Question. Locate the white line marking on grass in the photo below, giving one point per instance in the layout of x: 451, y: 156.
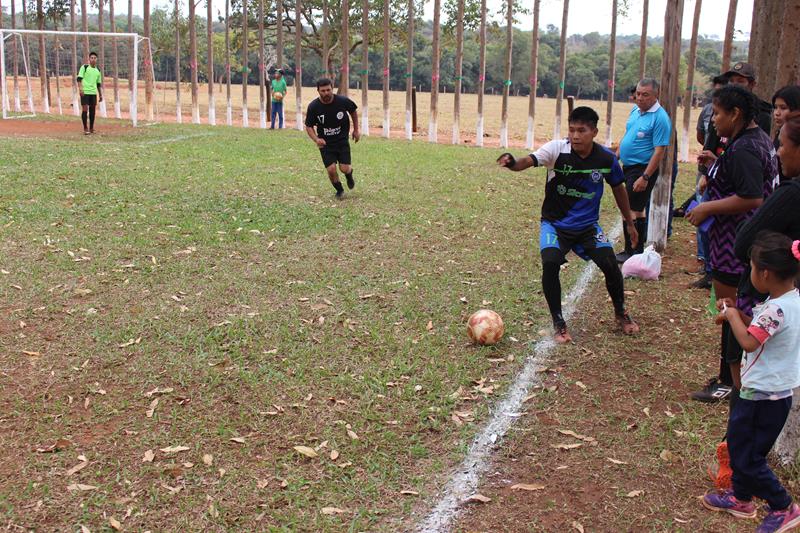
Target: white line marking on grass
x: 176, y: 138
x: 464, y: 481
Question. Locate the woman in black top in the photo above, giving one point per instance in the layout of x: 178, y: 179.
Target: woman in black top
x: 786, y: 100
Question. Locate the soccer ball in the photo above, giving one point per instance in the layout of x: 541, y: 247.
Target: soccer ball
x: 278, y: 97
x: 485, y: 327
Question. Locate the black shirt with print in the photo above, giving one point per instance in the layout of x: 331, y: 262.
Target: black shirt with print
x: 331, y: 120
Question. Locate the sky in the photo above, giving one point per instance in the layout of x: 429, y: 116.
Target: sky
x: 585, y: 15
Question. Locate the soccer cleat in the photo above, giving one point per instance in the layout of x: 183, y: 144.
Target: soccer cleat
x: 780, y: 521
x: 627, y: 325
x: 726, y: 502
x: 340, y: 194
x: 561, y: 335
x: 623, y: 256
x: 714, y: 391
x: 86, y: 132
x: 350, y: 181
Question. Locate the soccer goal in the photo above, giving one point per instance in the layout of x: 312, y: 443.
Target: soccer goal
x: 38, y: 72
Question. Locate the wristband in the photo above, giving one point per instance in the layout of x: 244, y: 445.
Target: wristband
x: 511, y: 161
x: 646, y: 177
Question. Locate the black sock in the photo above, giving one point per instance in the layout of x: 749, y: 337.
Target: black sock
x: 641, y: 229
x: 628, y: 248
x: 615, y: 285
x: 338, y: 186
x: 91, y: 116
x: 349, y: 175
x: 551, y: 286
x: 84, y: 115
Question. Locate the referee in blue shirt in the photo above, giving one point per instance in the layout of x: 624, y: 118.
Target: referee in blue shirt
x: 647, y: 135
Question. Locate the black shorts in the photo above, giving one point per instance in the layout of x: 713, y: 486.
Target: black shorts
x: 88, y: 99
x: 638, y: 200
x: 335, y: 153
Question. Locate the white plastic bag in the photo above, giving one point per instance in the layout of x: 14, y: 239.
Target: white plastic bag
x: 646, y: 265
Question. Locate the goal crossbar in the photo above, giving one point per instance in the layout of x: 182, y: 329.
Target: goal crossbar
x: 10, y: 32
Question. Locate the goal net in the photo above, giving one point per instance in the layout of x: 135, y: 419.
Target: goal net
x: 38, y: 73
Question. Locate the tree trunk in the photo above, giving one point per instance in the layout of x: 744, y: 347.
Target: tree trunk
x: 193, y: 60
x: 326, y: 49
x: 727, y: 44
x: 298, y: 57
x: 670, y: 70
x: 365, y: 68
x: 612, y: 71
x: 344, y: 87
x: 789, y: 54
x: 481, y: 75
x: 409, y: 69
x: 228, y: 108
x: 115, y: 60
x: 432, y: 124
x: 15, y: 56
x: 57, y: 69
x: 507, y: 79
x: 562, y: 71
x: 643, y: 39
x: 245, y: 67
x: 755, y: 26
x: 688, y: 95
x: 74, y: 53
x: 764, y: 51
x: 148, y: 63
x: 131, y: 65
x: 178, y: 110
x: 459, y: 72
x: 43, y: 88
x: 262, y: 100
x: 386, y: 43
x: 212, y: 109
x: 101, y: 55
x: 279, y: 35
x: 534, y: 78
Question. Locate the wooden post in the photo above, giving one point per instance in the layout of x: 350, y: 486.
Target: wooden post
x: 434, y: 113
x: 44, y: 83
x: 132, y: 64
x: 76, y: 105
x: 365, y: 68
x: 245, y: 67
x: 148, y: 64
x: 459, y: 72
x: 178, y: 111
x: 298, y: 70
x: 643, y: 39
x: 263, y: 105
x: 562, y: 71
x: 344, y: 87
x: 534, y: 77
x: 659, y: 202
x: 410, y: 128
x: 386, y: 44
x: 507, y: 79
x: 101, y: 53
x: 414, y: 109
x: 193, y: 60
x: 612, y: 71
x: 212, y: 111
x: 85, y: 25
x: 229, y: 108
x: 727, y: 44
x: 481, y: 76
x: 688, y: 95
x: 115, y: 60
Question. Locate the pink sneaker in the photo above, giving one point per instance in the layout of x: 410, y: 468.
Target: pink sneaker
x: 726, y: 502
x: 780, y: 521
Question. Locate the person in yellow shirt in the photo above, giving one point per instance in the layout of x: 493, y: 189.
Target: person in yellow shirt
x: 90, y: 85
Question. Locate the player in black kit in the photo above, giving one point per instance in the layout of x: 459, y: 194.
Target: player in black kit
x: 331, y: 114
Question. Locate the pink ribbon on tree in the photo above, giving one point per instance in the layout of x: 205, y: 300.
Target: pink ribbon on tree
x: 434, y: 77
x: 386, y: 72
x: 193, y: 64
x: 481, y: 78
x: 611, y: 83
x: 532, y: 81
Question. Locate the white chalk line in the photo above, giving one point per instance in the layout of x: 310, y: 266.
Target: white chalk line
x: 464, y: 481
x: 177, y: 138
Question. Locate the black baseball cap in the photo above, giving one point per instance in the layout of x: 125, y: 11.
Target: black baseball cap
x: 746, y: 70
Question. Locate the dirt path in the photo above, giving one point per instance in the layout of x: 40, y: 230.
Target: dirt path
x: 639, y: 448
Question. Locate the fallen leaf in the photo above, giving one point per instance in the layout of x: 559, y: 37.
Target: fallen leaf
x: 567, y: 446
x: 352, y: 434
x: 114, y: 523
x: 581, y: 385
x: 666, y: 455
x: 152, y: 409
x: 262, y: 483
x: 578, y: 526
x: 477, y: 498
x: 148, y: 456
x: 208, y: 459
x: 158, y: 390
x: 634, y: 493
x: 409, y: 493
x: 429, y: 327
x: 77, y: 468
x: 526, y: 486
x: 60, y: 444
x: 175, y: 449
x: 305, y: 450
x: 616, y: 461
x: 81, y: 486
x: 334, y: 455
x: 32, y: 354
x: 332, y: 510
x: 85, y: 529
x: 212, y: 510
x: 239, y: 440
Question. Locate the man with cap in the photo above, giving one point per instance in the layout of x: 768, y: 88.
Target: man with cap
x: 278, y: 92
x: 641, y: 150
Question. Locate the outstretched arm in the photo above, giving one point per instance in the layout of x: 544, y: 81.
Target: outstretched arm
x: 507, y: 160
x: 621, y: 197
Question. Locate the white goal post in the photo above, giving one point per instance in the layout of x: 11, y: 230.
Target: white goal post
x: 50, y: 56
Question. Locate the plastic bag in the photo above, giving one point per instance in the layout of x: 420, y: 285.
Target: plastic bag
x: 646, y: 265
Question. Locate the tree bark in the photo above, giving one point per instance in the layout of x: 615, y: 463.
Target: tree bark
x: 459, y: 72
x: 344, y: 87
x: 688, y: 95
x: 178, y: 111
x: 298, y: 57
x: 534, y: 77
x: 115, y: 60
x: 612, y: 71
x: 279, y: 33
x: 101, y: 55
x: 432, y: 124
x: 562, y: 68
x: 789, y: 53
x: 228, y: 108
x: 727, y: 44
x: 262, y: 74
x: 245, y: 67
x: 43, y: 87
x: 764, y: 51
x: 670, y: 70
x: 193, y: 60
x: 131, y: 65
x: 148, y: 64
x: 481, y: 75
x: 212, y: 110
x: 386, y: 44
x: 507, y: 79
x: 409, y: 69
x: 326, y: 49
x: 74, y: 54
x: 365, y: 68
x: 643, y: 39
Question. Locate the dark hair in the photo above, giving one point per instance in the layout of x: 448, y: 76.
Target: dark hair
x: 721, y: 79
x: 92, y: 54
x: 733, y: 96
x: 772, y: 251
x: 633, y: 90
x: 584, y: 115
x: 791, y: 125
x: 322, y: 82
x: 789, y: 94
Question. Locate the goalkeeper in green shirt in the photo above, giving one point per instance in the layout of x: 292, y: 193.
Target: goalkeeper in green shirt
x: 278, y: 92
x: 90, y: 81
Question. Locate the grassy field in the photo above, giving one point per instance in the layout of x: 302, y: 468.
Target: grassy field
x: 164, y: 102
x: 197, y: 294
